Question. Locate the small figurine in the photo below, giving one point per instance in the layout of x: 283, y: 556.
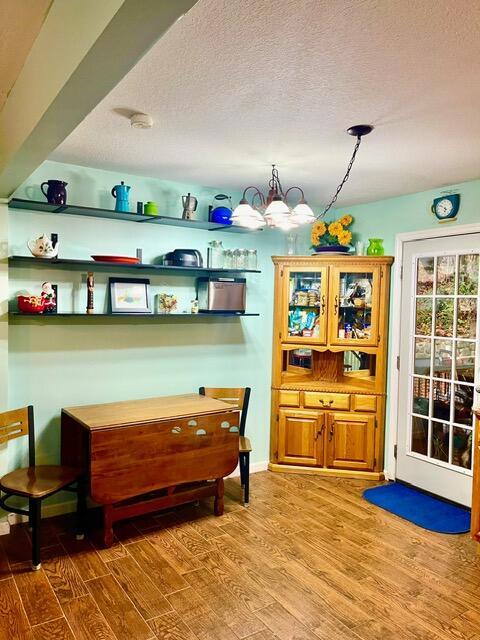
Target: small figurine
x: 90, y: 290
x: 49, y: 298
x: 194, y: 308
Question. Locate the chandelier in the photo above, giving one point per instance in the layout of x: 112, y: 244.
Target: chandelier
x: 274, y: 211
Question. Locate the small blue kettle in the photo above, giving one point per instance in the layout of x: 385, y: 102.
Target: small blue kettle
x: 120, y: 192
x: 220, y: 213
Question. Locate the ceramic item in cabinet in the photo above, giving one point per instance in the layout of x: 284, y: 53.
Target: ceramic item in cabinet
x: 120, y: 192
x: 90, y: 292
x: 42, y: 247
x: 252, y: 259
x: 56, y: 192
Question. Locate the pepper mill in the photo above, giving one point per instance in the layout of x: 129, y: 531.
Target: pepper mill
x: 90, y: 289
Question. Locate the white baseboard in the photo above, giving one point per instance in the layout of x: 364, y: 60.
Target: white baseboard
x: 59, y: 508
x: 255, y: 467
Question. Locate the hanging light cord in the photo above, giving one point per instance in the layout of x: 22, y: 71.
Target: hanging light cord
x: 345, y: 178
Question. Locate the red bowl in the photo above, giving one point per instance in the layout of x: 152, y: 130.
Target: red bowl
x: 30, y: 304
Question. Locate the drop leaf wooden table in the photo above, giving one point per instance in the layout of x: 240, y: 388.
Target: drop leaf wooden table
x: 144, y: 455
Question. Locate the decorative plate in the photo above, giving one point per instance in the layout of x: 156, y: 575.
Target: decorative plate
x: 117, y: 259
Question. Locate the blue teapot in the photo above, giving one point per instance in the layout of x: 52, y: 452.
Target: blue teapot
x: 120, y: 192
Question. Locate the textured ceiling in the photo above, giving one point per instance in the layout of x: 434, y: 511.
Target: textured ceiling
x: 238, y: 84
x: 20, y: 22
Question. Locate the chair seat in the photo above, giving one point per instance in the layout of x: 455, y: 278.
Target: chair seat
x: 38, y: 481
x: 244, y: 445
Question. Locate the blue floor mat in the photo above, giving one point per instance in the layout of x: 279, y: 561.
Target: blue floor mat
x: 420, y: 508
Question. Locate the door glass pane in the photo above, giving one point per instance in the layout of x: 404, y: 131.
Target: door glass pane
x: 441, y: 399
x: 462, y: 447
x: 440, y: 441
x: 444, y: 317
x: 468, y: 275
x: 445, y: 275
x: 463, y: 404
x: 425, y: 268
x: 465, y: 361
x: 305, y: 304
x: 421, y: 396
x: 355, y: 306
x: 423, y: 347
x: 442, y: 358
x: 423, y: 317
x: 419, y: 435
x: 466, y: 317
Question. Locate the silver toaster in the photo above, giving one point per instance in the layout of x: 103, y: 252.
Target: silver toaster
x: 221, y: 294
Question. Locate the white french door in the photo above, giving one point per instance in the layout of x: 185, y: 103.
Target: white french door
x: 439, y: 358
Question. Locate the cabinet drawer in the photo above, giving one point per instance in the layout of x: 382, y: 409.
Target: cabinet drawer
x: 327, y: 400
x: 364, y: 403
x: 289, y: 398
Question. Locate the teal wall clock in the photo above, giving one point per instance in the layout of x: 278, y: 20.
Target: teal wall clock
x: 446, y: 207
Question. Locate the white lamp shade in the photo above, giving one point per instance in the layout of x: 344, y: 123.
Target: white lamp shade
x: 245, y: 215
x: 302, y: 214
x: 277, y: 207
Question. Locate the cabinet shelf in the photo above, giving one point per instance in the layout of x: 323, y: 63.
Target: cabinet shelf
x: 93, y: 212
x: 93, y: 265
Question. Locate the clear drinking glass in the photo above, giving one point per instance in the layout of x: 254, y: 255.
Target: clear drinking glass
x: 228, y: 259
x: 252, y: 259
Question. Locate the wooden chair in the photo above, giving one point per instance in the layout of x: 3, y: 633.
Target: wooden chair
x: 36, y: 482
x: 238, y: 398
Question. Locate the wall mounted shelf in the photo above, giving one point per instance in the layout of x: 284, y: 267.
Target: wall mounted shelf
x: 92, y: 212
x: 157, y: 316
x: 93, y: 265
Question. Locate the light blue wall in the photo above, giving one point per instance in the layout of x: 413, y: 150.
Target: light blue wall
x: 66, y: 362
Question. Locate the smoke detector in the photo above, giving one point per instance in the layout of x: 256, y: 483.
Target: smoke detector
x: 141, y: 121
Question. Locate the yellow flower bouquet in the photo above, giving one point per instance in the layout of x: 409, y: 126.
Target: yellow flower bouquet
x: 333, y: 236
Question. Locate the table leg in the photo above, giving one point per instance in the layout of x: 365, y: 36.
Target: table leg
x: 107, y: 525
x: 218, y: 505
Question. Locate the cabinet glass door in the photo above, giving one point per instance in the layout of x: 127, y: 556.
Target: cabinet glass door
x: 304, y: 305
x: 354, y: 301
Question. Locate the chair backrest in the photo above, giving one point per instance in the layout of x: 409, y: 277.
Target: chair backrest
x: 17, y: 423
x: 238, y: 397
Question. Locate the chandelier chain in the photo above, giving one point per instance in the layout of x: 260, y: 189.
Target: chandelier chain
x: 345, y: 178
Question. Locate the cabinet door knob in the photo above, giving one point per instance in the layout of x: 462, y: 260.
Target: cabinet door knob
x: 323, y: 305
x: 336, y: 306
x: 319, y: 433
x: 330, y: 435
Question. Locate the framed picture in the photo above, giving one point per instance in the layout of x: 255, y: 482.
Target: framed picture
x: 129, y: 295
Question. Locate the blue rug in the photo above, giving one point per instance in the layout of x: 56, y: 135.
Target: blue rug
x: 420, y: 508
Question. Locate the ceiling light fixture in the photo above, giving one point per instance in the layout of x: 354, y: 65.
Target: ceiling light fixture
x: 274, y: 210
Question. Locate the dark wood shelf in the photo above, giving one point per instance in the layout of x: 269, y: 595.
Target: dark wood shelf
x: 92, y: 265
x: 92, y: 212
x: 158, y: 316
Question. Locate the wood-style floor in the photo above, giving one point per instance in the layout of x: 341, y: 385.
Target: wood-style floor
x: 308, y: 559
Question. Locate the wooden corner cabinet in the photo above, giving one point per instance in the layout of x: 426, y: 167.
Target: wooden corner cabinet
x: 329, y: 364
